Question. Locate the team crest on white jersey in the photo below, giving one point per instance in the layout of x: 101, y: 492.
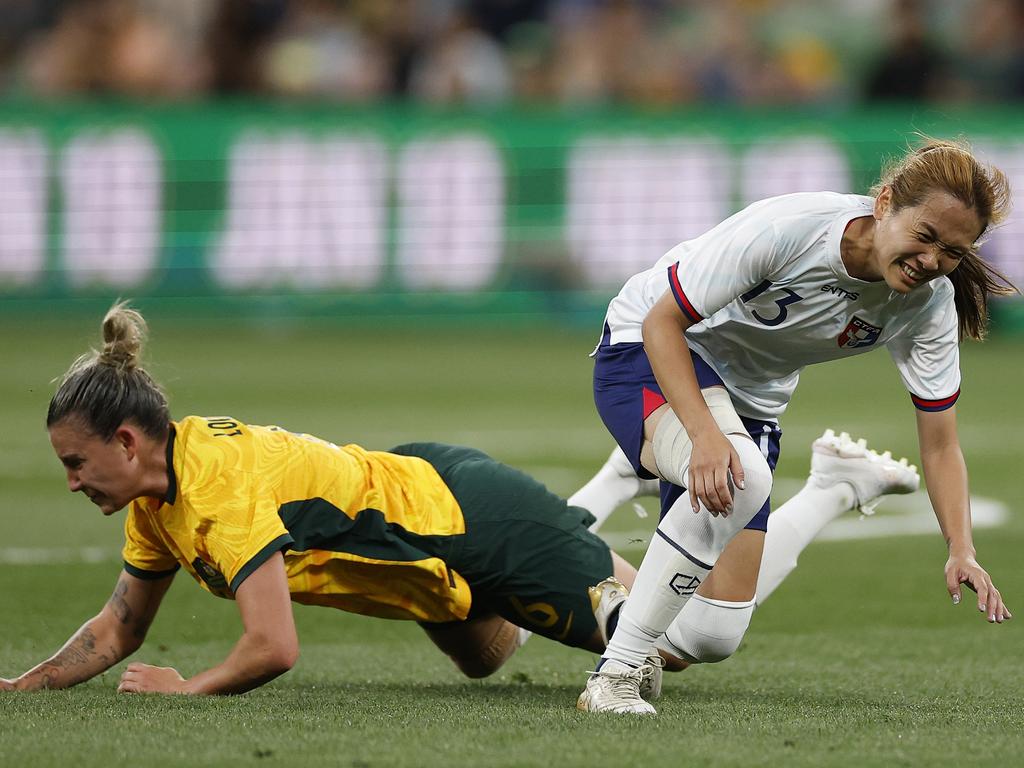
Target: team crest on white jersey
x: 858, y: 333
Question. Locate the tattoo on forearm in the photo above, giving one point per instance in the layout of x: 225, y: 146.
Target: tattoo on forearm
x: 124, y: 614
x: 119, y: 605
x: 48, y: 676
x: 79, y: 651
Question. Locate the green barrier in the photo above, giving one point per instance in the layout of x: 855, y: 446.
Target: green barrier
x: 397, y: 212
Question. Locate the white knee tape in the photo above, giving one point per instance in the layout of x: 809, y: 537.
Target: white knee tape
x: 672, y: 446
x: 706, y: 630
x: 672, y: 449
x: 721, y: 407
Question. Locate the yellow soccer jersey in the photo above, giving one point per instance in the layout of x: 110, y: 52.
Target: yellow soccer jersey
x: 359, y: 530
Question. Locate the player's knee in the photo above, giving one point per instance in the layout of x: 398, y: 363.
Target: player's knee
x: 488, y: 658
x: 757, y: 479
x: 477, y: 668
x: 673, y: 663
x: 707, y: 631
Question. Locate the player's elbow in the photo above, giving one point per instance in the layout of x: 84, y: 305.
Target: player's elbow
x: 650, y: 326
x: 657, y: 332
x: 130, y: 645
x: 123, y: 639
x: 281, y: 659
x: 275, y: 656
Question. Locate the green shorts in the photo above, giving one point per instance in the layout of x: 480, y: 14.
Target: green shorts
x: 526, y: 554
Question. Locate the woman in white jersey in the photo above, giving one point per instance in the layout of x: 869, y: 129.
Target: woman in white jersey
x: 701, y: 354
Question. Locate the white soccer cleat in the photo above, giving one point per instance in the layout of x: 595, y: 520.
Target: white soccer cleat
x: 615, y: 689
x: 650, y: 677
x: 840, y: 458
x: 605, y: 598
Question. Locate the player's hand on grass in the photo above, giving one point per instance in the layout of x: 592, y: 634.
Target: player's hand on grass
x: 714, y: 467
x: 7, y: 685
x: 964, y: 569
x: 145, y: 678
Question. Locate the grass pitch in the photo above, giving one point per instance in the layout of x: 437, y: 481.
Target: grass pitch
x: 858, y: 659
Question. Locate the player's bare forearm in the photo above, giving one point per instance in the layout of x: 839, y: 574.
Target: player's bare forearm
x: 114, y: 634
x: 267, y: 648
x: 252, y: 662
x: 91, y: 650
x: 945, y: 474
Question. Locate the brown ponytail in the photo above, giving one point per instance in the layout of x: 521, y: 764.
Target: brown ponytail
x: 106, y: 388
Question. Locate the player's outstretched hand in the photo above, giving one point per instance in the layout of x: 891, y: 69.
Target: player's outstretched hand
x: 964, y: 569
x: 145, y: 678
x: 714, y: 468
x: 7, y: 685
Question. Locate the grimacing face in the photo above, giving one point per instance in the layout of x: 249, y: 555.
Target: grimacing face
x: 104, y: 470
x: 920, y: 243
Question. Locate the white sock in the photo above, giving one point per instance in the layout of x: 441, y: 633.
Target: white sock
x: 794, y: 525
x: 606, y: 490
x: 681, y: 554
x: 665, y: 582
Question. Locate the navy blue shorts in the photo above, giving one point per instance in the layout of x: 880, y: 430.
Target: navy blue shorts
x: 626, y: 393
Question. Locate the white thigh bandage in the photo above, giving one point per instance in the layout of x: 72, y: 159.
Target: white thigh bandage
x: 672, y: 446
x: 707, y: 630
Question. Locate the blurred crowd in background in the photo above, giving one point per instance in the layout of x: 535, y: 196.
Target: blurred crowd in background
x: 562, y: 52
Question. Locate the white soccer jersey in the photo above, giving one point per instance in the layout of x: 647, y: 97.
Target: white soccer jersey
x: 769, y: 294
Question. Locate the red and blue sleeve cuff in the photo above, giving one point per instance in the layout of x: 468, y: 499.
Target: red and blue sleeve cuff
x: 677, y: 292
x: 924, y: 404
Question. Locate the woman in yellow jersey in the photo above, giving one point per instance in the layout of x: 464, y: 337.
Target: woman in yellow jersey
x: 473, y: 550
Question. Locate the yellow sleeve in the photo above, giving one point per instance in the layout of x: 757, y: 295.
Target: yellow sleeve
x: 242, y: 532
x: 145, y: 554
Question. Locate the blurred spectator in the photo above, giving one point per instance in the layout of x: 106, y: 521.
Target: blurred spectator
x: 647, y: 52
x: 735, y: 65
x: 499, y: 18
x: 123, y: 47
x: 21, y: 21
x: 911, y: 67
x: 237, y: 34
x: 323, y: 50
x: 991, y: 60
x: 462, y: 65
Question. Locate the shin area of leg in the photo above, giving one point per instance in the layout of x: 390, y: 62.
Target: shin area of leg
x: 683, y: 551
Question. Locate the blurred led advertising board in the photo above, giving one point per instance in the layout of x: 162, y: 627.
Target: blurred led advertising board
x: 249, y: 200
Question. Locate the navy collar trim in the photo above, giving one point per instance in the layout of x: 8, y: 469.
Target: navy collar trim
x: 172, y: 480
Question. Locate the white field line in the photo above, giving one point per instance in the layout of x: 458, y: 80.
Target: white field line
x: 899, y: 516
x: 58, y: 555
x: 985, y: 513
